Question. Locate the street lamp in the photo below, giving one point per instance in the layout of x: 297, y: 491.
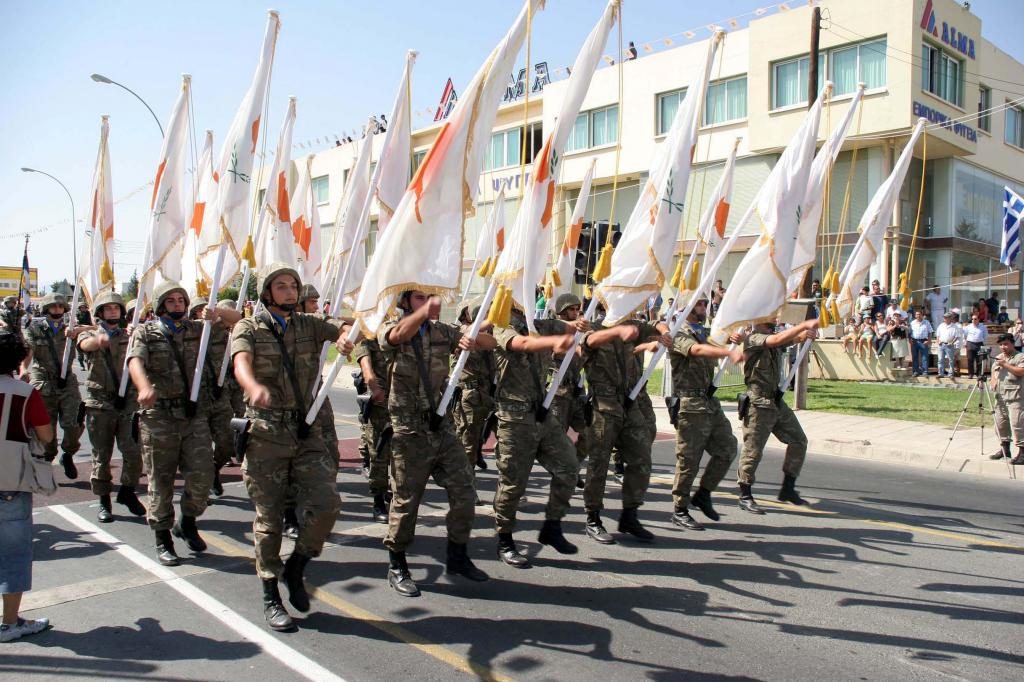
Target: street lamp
x: 103, y: 79
x: 74, y: 239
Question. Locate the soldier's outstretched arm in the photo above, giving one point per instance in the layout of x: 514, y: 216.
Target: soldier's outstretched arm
x: 808, y: 329
x: 410, y: 324
x: 624, y: 332
x: 481, y: 342
x: 137, y: 371
x: 558, y: 343
x: 258, y: 394
x: 706, y: 350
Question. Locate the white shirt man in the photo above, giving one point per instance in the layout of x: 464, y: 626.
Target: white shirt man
x: 920, y: 329
x: 936, y: 306
x: 975, y: 332
x: 894, y: 309
x: 949, y: 334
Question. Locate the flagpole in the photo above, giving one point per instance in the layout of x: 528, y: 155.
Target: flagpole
x: 563, y: 367
x: 474, y: 330
x: 321, y: 395
x: 21, y: 277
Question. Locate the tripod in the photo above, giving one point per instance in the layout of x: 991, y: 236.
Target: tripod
x: 983, y: 391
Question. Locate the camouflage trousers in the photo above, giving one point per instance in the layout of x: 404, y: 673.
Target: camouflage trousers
x: 762, y: 422
x: 522, y: 441
x: 695, y: 433
x: 380, y: 460
x: 170, y: 443
x: 629, y: 433
x: 219, y: 414
x: 63, y: 405
x: 567, y: 410
x: 105, y: 427
x: 278, y: 462
x: 1009, y: 420
x: 417, y: 454
x: 470, y: 415
x: 328, y: 429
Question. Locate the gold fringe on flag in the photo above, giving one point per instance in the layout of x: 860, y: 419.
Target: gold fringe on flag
x: 202, y: 289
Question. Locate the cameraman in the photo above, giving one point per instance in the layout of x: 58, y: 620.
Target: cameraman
x: 1007, y: 376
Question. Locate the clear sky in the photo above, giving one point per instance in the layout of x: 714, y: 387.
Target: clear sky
x: 341, y: 59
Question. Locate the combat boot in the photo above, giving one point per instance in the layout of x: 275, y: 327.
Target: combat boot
x: 1003, y: 451
x: 481, y: 463
x: 683, y: 519
x: 68, y: 462
x: 380, y: 509
x: 788, y: 491
x: 126, y: 496
x: 596, y: 531
x: 273, y: 610
x: 291, y: 524
x: 509, y: 554
x: 619, y: 470
x: 747, y: 502
x: 187, y: 531
x: 702, y: 501
x: 459, y: 563
x: 165, y: 553
x: 292, y: 576
x: 398, y: 575
x: 1019, y: 459
x: 217, y: 488
x: 630, y: 524
x: 551, y: 534
x: 104, y: 515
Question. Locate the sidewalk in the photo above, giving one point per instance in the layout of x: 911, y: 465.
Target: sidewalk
x: 887, y: 440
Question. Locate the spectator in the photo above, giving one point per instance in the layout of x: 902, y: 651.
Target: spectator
x: 864, y: 304
x: 716, y: 302
x: 83, y: 317
x: 881, y: 334
x: 630, y: 51
x: 383, y: 127
x: 975, y: 335
x: 719, y: 288
x: 878, y: 298
x: 1018, y: 334
x: 1003, y: 317
x: 920, y: 337
x: 850, y: 334
x: 337, y: 143
x: 981, y: 308
x: 992, y: 302
x: 865, y: 337
x: 936, y: 304
x: 24, y: 415
x: 816, y: 290
x: 900, y: 345
x: 894, y: 309
x: 948, y: 335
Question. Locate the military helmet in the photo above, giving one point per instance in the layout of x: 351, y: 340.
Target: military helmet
x: 196, y: 303
x: 129, y: 307
x: 566, y: 300
x: 108, y: 297
x: 227, y: 303
x: 272, y: 271
x: 10, y: 299
x: 165, y: 289
x: 307, y: 292
x: 53, y: 299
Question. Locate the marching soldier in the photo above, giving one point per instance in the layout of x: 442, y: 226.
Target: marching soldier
x: 612, y: 370
x: 522, y: 360
x: 701, y: 425
x: 375, y: 431
x: 46, y: 337
x: 231, y: 388
x: 419, y: 349
x: 768, y: 414
x: 569, y: 403
x: 476, y: 401
x: 174, y: 432
x: 10, y: 315
x: 1007, y: 376
x: 108, y: 416
x: 277, y: 362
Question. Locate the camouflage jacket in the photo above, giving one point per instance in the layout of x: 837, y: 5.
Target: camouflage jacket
x: 692, y: 375
x: 378, y: 360
x: 151, y: 343
x: 407, y: 399
x: 47, y: 354
x: 103, y: 367
x: 761, y: 369
x: 613, y: 369
x: 1008, y: 385
x: 479, y: 369
x: 522, y: 376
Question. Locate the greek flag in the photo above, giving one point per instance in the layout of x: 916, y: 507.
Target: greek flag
x: 25, y: 285
x: 1013, y: 209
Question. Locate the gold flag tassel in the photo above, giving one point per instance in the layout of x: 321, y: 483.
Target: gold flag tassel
x: 834, y: 309
x: 694, y: 276
x: 202, y: 289
x: 904, y: 292
x: 835, y: 284
x: 500, y: 314
x: 556, y: 279
x: 549, y: 290
x: 677, y: 275
x: 604, y: 263
x: 106, y: 274
x: 824, y: 316
x: 826, y: 282
x: 485, y: 268
x: 249, y: 252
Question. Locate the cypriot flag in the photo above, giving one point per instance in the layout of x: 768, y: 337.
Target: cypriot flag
x: 234, y: 170
x: 522, y: 264
x: 306, y: 226
x: 491, y: 241
x: 565, y: 265
x: 204, y: 187
x: 422, y: 246
x: 274, y: 240
x: 758, y: 289
x: 96, y: 271
x: 807, y: 241
x: 711, y: 230
x: 877, y: 217
x: 350, y: 219
x: 394, y: 156
x: 642, y: 262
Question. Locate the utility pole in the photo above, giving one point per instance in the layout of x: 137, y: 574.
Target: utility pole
x: 800, y: 387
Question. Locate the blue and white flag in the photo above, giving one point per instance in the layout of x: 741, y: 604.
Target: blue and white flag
x: 25, y: 285
x: 1013, y: 209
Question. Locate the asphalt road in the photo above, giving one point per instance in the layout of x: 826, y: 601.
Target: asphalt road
x: 893, y: 573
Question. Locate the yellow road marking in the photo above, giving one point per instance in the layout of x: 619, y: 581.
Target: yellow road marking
x: 441, y: 653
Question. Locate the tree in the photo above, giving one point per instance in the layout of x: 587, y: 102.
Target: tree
x: 131, y: 289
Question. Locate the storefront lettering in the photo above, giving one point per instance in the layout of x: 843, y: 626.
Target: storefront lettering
x: 510, y: 181
x: 935, y: 116
x: 950, y: 35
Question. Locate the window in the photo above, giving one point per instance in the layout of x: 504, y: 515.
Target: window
x: 942, y: 75
x: 506, y: 147
x: 984, y: 104
x: 417, y: 159
x: 594, y: 128
x: 668, y: 105
x: 321, y: 189
x: 860, y: 63
x: 790, y: 81
x: 1015, y: 127
x: 726, y: 101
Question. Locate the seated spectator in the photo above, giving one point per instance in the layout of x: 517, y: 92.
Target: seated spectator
x: 630, y: 51
x: 865, y: 337
x: 864, y: 304
x: 850, y: 334
x: 881, y: 334
x: 1003, y: 317
x: 894, y: 309
x: 383, y: 127
x: 981, y: 310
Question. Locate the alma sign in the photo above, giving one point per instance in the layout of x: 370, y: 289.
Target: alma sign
x: 949, y: 35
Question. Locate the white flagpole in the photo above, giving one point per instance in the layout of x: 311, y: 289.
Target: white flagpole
x: 556, y: 381
x: 66, y: 359
x: 321, y: 395
x: 204, y: 340
x: 474, y: 330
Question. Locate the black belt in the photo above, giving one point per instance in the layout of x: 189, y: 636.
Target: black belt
x: 275, y: 415
x: 170, y: 403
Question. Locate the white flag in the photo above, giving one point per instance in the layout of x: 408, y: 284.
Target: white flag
x: 234, y: 168
x: 205, y: 187
x: 422, y: 247
x: 807, y: 243
x: 877, y: 218
x: 96, y: 271
x: 394, y: 156
x: 758, y: 289
x: 521, y: 265
x: 565, y: 265
x: 711, y: 230
x: 275, y: 242
x: 353, y: 223
x: 306, y: 226
x: 643, y: 260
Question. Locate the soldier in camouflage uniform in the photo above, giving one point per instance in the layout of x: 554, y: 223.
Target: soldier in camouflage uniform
x: 231, y: 388
x: 477, y: 399
x: 373, y: 363
x: 612, y: 370
x: 46, y: 337
x: 173, y: 431
x: 108, y: 416
x: 768, y: 413
x: 276, y: 357
x: 570, y: 400
x: 1007, y: 376
x: 419, y: 349
x: 522, y: 361
x: 216, y: 401
x: 10, y: 315
x: 701, y: 425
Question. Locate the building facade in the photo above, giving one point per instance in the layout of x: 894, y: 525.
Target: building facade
x: 917, y: 58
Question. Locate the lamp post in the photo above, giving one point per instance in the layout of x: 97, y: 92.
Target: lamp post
x: 103, y: 79
x: 74, y: 238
